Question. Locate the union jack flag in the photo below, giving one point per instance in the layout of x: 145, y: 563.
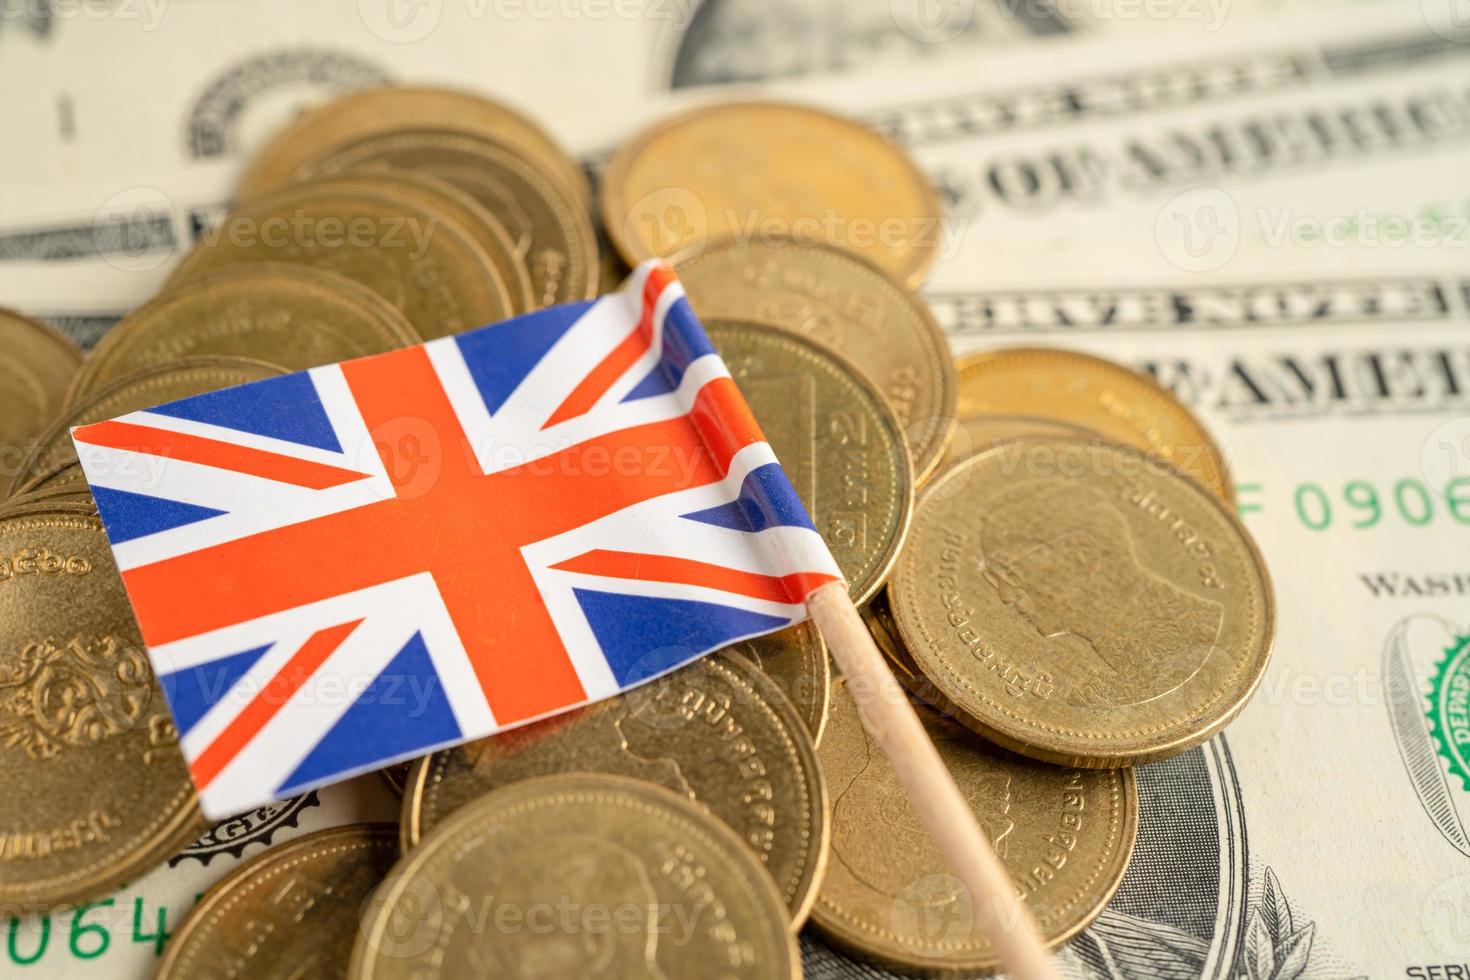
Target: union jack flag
x: 346, y: 567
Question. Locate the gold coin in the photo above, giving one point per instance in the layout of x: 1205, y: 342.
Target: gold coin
x: 373, y: 112
x: 102, y: 793
x: 61, y: 477
x: 435, y: 194
x: 418, y: 259
x: 1099, y: 395
x: 837, y: 439
x: 54, y: 452
x: 850, y: 305
x: 37, y: 365
x: 751, y: 168
x: 977, y: 433
x: 76, y: 499
x: 294, y: 316
x: 717, y: 732
x: 796, y: 660
x: 1064, y: 835
x: 548, y: 225
x: 291, y: 911
x: 1082, y: 602
x: 578, y: 875
x: 82, y: 507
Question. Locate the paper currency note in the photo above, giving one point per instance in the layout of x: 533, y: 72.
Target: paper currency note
x: 1278, y: 232
x: 122, y: 936
x: 1274, y: 225
x: 122, y: 101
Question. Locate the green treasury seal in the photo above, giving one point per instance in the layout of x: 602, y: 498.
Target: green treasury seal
x: 1449, y: 708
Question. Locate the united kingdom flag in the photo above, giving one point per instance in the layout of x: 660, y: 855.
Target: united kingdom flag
x: 346, y: 567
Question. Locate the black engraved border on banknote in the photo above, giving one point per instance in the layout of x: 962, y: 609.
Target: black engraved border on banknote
x: 1141, y: 91
x: 1113, y: 309
x: 134, y: 235
x: 257, y: 826
x: 212, y: 122
x: 728, y: 42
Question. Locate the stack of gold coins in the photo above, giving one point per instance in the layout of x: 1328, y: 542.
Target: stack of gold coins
x: 1042, y: 541
x: 1057, y: 576
x: 502, y: 203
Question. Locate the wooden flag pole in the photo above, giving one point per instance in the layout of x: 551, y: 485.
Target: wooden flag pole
x: 891, y: 721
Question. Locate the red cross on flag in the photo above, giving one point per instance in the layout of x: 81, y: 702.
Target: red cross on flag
x: 346, y: 567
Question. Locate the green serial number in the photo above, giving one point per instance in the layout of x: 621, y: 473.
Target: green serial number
x: 1361, y: 504
x: 86, y: 940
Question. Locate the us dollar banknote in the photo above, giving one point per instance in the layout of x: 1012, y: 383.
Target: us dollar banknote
x: 125, y: 106
x: 1275, y: 229
x: 1271, y: 220
x: 122, y: 936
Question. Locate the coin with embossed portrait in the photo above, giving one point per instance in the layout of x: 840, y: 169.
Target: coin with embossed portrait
x: 1064, y: 835
x: 290, y: 911
x: 578, y: 875
x: 837, y: 438
x: 1082, y: 602
x: 86, y: 738
x: 718, y: 732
